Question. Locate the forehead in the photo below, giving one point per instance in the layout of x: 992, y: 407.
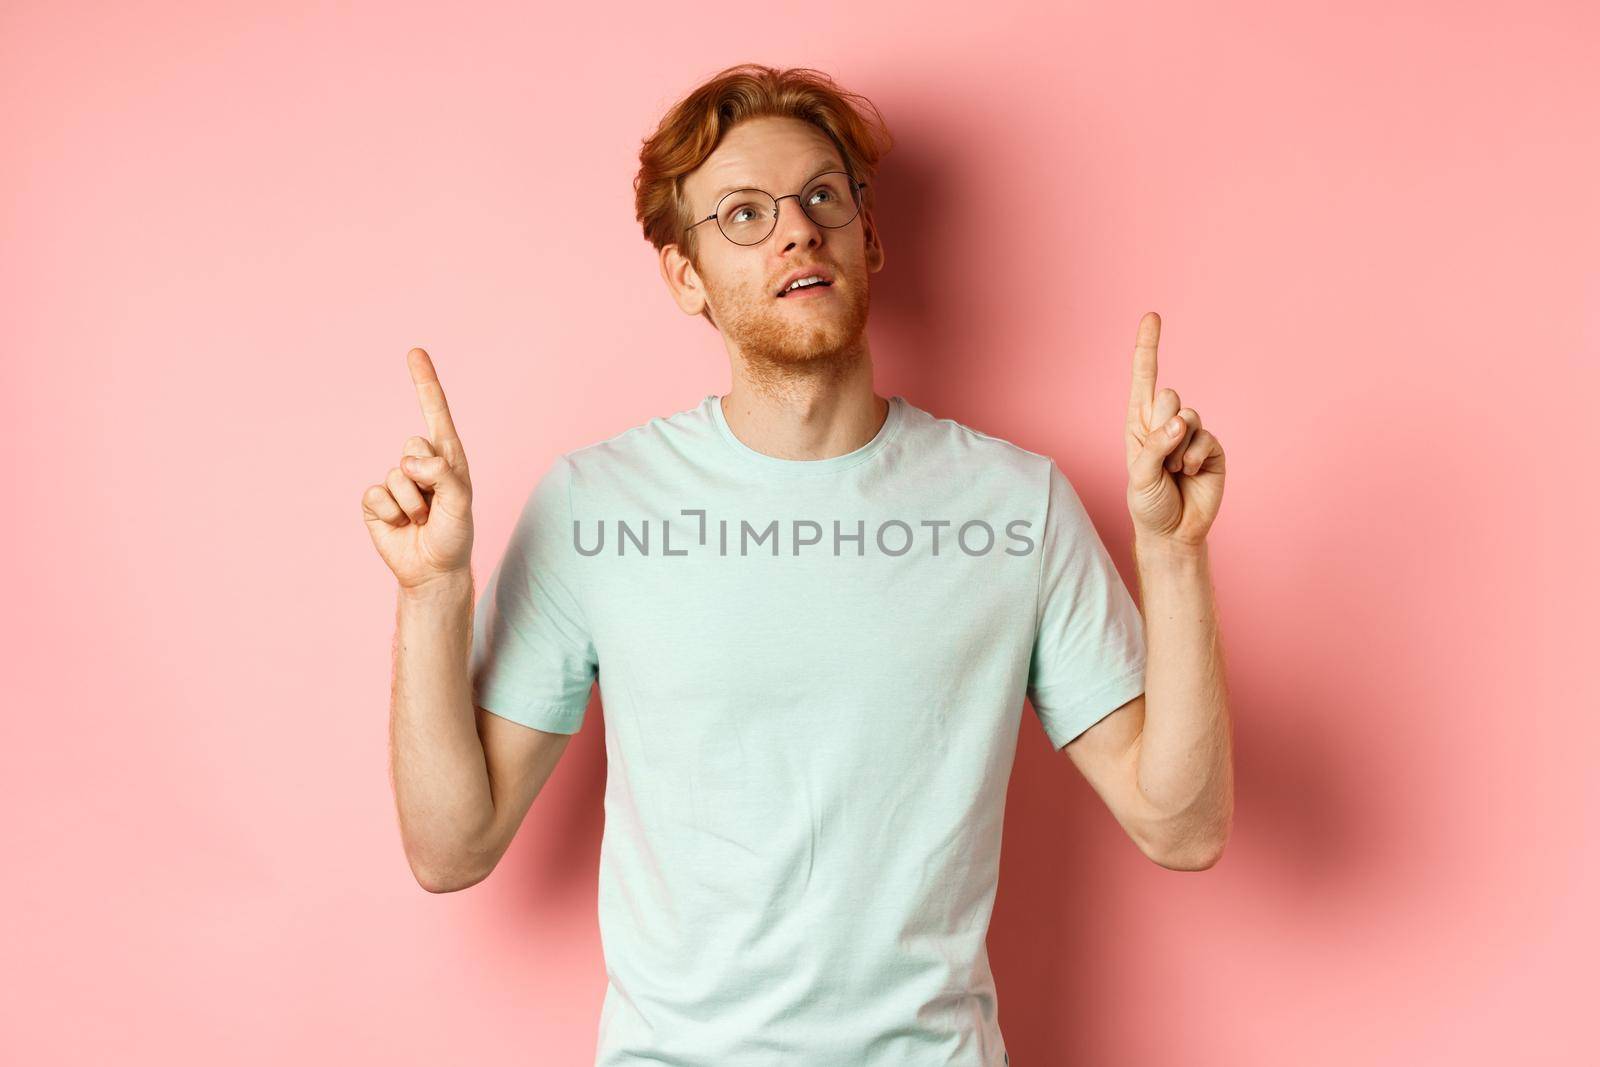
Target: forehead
x: 764, y: 153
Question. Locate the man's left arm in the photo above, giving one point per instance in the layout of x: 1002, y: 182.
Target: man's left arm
x: 1163, y: 762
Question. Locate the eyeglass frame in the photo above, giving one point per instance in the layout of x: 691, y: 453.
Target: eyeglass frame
x: 855, y: 186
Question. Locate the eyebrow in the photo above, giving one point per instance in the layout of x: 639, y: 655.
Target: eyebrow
x: 820, y: 166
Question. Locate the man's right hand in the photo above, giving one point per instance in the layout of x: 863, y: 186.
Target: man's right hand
x: 420, y: 518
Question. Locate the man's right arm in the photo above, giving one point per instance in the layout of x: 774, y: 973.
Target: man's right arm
x: 464, y: 778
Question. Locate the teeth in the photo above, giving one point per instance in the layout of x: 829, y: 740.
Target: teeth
x: 810, y: 279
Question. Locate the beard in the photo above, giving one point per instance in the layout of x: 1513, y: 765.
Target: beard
x: 779, y: 344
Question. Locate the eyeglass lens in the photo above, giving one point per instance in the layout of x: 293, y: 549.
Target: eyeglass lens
x: 746, y: 216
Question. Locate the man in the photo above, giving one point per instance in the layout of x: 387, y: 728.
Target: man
x: 814, y: 614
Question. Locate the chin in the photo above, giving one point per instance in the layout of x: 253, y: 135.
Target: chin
x: 789, y: 345
x: 778, y: 337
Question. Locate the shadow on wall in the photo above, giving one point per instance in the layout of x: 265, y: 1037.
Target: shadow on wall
x: 913, y: 327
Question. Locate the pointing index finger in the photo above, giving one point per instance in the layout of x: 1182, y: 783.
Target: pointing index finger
x: 430, y: 394
x: 1142, y: 398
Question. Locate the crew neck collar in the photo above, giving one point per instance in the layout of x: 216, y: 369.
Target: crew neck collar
x: 775, y: 464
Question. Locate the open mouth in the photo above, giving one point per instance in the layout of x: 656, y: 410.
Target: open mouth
x: 804, y: 288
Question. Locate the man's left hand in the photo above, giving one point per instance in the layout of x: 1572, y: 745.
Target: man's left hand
x: 1175, y: 468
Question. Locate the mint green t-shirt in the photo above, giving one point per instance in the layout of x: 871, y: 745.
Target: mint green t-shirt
x: 813, y: 674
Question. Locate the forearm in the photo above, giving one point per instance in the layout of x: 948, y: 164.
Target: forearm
x: 1185, y: 759
x: 441, y: 780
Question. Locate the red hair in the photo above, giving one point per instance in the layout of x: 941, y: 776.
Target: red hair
x: 694, y: 126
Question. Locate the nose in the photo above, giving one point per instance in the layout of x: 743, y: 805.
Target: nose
x: 794, y: 226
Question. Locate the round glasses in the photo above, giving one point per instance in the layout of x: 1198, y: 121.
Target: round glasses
x: 748, y: 216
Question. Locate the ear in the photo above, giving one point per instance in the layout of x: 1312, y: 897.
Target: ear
x: 874, y: 242
x: 683, y: 280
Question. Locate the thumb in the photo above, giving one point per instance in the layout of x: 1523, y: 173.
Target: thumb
x: 435, y: 473
x: 1147, y: 470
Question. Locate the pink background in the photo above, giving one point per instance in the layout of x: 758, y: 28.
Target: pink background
x: 1370, y: 229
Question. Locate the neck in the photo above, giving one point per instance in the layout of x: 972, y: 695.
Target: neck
x: 815, y: 412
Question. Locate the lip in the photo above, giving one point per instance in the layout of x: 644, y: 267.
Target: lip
x: 805, y: 272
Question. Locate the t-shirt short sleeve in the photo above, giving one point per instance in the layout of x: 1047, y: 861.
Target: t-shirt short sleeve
x: 1089, y: 649
x: 533, y: 660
